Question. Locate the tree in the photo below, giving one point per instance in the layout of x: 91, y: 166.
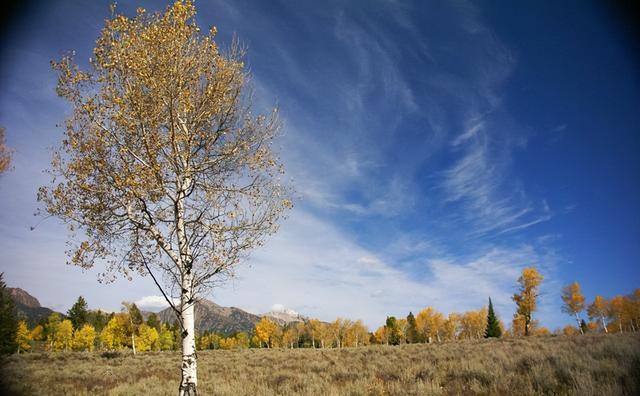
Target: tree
x: 493, y: 325
x: 148, y: 339
x: 393, y: 332
x: 79, y: 313
x: 163, y: 167
x: 529, y: 282
x: 573, y: 302
x: 451, y: 327
x: 381, y: 335
x: 135, y: 320
x: 356, y: 334
x: 412, y: 329
x: 598, y: 310
x: 153, y: 321
x: 314, y: 327
x: 584, y: 328
x: 84, y: 338
x: 51, y: 329
x: 473, y: 324
x: 97, y: 319
x: 63, y: 337
x: 616, y: 310
x: 429, y: 323
x: 290, y: 336
x: 37, y: 333
x: 166, y: 338
x: 115, y: 334
x: 5, y: 153
x: 266, y: 331
x: 23, y: 337
x: 8, y: 320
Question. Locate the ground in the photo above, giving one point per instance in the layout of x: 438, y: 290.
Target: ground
x: 579, y: 365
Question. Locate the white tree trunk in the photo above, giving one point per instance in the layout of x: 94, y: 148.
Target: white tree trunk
x: 189, y: 382
x: 579, y: 324
x: 604, y: 325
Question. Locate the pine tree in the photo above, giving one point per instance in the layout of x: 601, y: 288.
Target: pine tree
x: 412, y: 329
x: 493, y: 325
x: 583, y: 326
x: 393, y: 330
x: 8, y: 320
x: 79, y: 313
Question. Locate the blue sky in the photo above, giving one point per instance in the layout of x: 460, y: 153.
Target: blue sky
x: 436, y: 149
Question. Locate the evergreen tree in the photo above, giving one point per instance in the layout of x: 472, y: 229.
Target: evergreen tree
x: 493, y: 326
x: 583, y: 326
x: 8, y: 320
x: 393, y: 330
x: 153, y: 321
x: 98, y: 319
x: 79, y: 313
x: 412, y: 329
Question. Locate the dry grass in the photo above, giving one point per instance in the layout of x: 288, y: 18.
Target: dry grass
x: 585, y: 365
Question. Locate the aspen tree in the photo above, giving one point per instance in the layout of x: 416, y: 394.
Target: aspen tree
x: 573, y: 302
x: 163, y: 169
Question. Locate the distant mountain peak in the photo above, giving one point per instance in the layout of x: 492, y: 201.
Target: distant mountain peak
x: 28, y: 307
x: 19, y: 295
x: 215, y: 318
x: 282, y: 315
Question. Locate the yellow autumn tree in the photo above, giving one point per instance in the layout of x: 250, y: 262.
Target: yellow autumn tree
x: 599, y: 310
x: 242, y: 340
x: 23, y: 337
x: 473, y: 324
x: 616, y: 311
x: 148, y: 338
x: 573, y: 300
x: 356, y: 334
x: 37, y: 333
x: 451, y: 327
x: 290, y: 336
x: 63, y: 338
x: 163, y: 167
x: 526, y: 299
x: 166, y: 341
x: 84, y: 338
x: 51, y: 328
x: 325, y: 335
x: 115, y: 334
x: 381, y: 335
x: 266, y: 331
x: 429, y: 324
x: 314, y: 327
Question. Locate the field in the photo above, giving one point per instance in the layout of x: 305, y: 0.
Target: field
x: 580, y: 365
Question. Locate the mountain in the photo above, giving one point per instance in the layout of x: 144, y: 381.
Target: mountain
x: 28, y: 307
x: 284, y: 316
x: 212, y: 317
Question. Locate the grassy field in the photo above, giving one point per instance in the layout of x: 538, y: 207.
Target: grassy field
x: 580, y: 365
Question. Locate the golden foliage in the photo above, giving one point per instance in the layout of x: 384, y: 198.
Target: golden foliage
x: 5, y: 153
x: 63, y: 337
x: 267, y: 332
x: 573, y: 299
x: 84, y: 338
x: 162, y: 161
x: 23, y: 337
x: 526, y: 300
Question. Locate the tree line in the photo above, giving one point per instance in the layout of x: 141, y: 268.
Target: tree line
x: 88, y: 330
